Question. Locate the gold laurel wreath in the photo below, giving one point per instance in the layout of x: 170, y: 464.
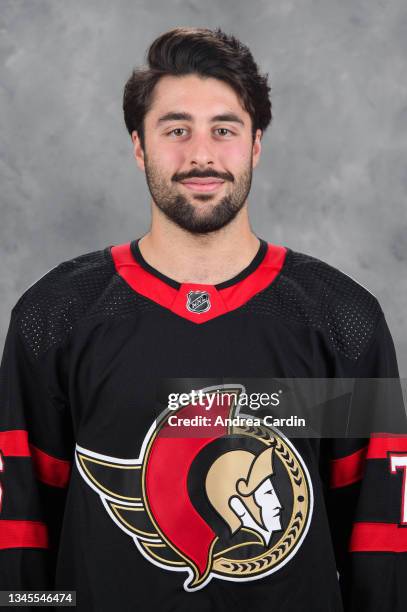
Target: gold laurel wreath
x: 299, y: 515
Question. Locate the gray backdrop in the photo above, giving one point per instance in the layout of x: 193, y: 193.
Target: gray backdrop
x: 332, y: 180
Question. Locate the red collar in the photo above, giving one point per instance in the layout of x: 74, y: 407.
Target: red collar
x: 197, y: 302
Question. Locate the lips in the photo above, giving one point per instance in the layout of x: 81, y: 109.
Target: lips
x: 203, y: 184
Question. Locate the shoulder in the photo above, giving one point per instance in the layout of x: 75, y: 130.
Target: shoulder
x: 315, y: 293
x: 47, y: 310
x: 323, y: 282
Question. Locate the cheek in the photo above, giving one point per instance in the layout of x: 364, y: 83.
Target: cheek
x: 171, y: 156
x: 167, y: 157
x: 235, y: 156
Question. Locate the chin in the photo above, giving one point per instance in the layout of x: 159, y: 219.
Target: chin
x: 275, y: 525
x: 204, y: 197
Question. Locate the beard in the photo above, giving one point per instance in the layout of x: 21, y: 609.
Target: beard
x: 190, y: 217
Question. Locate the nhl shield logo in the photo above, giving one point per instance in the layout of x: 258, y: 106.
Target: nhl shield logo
x: 198, y: 301
x: 234, y: 504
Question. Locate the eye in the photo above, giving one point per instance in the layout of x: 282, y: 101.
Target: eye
x: 177, y: 132
x: 223, y: 131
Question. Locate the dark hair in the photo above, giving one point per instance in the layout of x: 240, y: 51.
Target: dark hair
x: 210, y: 53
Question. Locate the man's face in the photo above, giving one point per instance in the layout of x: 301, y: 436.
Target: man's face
x: 198, y: 152
x: 266, y: 497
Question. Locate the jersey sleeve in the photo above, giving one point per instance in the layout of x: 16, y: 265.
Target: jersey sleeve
x: 36, y: 448
x: 367, y: 500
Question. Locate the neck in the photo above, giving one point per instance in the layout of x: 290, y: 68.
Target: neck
x: 200, y: 258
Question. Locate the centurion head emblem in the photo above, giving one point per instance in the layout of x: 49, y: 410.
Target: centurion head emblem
x: 198, y: 301
x: 247, y: 496
x: 231, y: 503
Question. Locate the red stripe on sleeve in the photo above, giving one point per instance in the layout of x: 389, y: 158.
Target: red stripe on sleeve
x: 370, y: 537
x: 14, y: 443
x: 23, y: 534
x: 349, y: 469
x: 49, y: 469
x: 382, y: 444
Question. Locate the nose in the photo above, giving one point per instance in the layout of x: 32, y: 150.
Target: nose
x: 201, y: 152
x: 277, y: 503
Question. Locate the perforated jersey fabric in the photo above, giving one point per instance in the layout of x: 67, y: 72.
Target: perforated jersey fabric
x: 99, y: 496
x: 308, y: 291
x: 74, y: 289
x: 313, y: 293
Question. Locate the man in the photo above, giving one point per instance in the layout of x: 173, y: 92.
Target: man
x: 100, y: 493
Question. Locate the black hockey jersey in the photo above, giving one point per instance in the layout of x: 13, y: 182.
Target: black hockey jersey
x: 113, y: 484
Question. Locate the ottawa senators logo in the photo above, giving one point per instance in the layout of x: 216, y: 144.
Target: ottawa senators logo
x: 232, y: 502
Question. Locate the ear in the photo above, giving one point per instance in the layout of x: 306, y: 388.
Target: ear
x: 138, y: 151
x: 257, y: 148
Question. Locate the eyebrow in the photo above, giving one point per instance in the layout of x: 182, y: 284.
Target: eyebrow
x: 173, y: 116
x: 229, y: 117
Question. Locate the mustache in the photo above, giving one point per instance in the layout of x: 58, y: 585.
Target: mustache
x: 182, y: 176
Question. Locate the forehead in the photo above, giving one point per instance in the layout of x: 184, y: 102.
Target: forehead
x: 200, y: 96
x: 267, y: 485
